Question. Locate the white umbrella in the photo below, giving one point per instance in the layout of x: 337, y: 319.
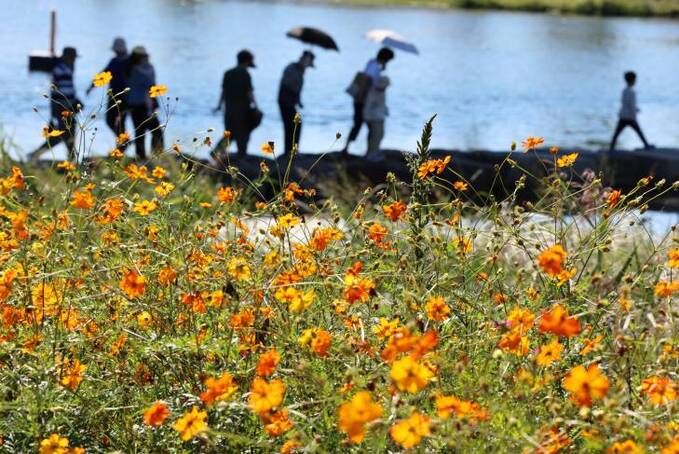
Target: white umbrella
x: 391, y: 39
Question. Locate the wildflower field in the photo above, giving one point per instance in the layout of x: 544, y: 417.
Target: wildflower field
x: 147, y: 308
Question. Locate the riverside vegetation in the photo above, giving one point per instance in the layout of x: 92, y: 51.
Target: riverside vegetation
x: 662, y: 8
x: 146, y: 308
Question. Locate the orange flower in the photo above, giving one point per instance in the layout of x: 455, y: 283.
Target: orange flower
x: 356, y: 414
x: 557, y: 321
x: 83, y: 199
x: 268, y: 362
x: 586, y: 385
x: 221, y: 388
x: 72, y: 373
x: 460, y: 186
x: 265, y: 396
x: 394, y: 211
x: 627, y: 446
x: 357, y: 288
x: 321, y: 342
x: 449, y: 405
x: 276, y: 424
x: 590, y: 344
x: 167, y: 275
x: 552, y: 259
x: 266, y: 148
x: 227, y: 194
x: 133, y: 284
x: 433, y: 166
x: 531, y: 143
x: 323, y: 236
x: 409, y: 432
x: 613, y: 198
x: 515, y: 343
x: 661, y: 390
x: 665, y: 289
x: 377, y: 233
x: 156, y: 415
x: 437, y: 309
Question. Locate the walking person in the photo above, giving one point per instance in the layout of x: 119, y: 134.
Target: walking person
x: 116, y: 107
x: 238, y: 99
x: 628, y: 112
x: 64, y: 105
x: 359, y: 88
x: 375, y: 112
x: 289, y: 97
x: 141, y: 77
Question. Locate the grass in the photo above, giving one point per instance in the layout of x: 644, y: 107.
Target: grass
x: 644, y: 8
x: 153, y: 309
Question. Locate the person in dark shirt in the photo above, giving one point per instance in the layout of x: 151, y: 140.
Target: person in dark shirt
x: 64, y: 104
x: 116, y: 107
x: 237, y: 98
x: 140, y: 78
x: 289, y: 97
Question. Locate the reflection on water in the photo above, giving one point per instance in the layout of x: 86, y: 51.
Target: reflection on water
x: 492, y: 77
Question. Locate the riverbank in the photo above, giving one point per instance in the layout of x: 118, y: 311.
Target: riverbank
x: 640, y: 8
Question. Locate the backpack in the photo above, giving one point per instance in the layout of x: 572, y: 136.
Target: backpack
x: 359, y: 87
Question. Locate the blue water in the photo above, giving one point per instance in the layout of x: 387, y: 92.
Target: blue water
x: 492, y: 77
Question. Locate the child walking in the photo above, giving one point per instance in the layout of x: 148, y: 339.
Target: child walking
x: 628, y: 111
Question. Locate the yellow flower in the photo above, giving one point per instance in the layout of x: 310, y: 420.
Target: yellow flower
x: 101, y: 79
x: 145, y: 207
x: 159, y: 172
x: 266, y: 148
x: 239, y: 269
x: 549, y: 353
x: 409, y: 375
x: 54, y: 445
x: 356, y: 414
x: 287, y: 221
x: 191, y: 424
x: 48, y: 132
x: 144, y: 320
x: 567, y: 160
x: 157, y: 90
x: 164, y: 188
x: 409, y: 432
x: 66, y: 166
x: 673, y: 256
x: 461, y: 186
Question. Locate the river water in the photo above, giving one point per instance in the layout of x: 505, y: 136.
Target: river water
x: 492, y: 77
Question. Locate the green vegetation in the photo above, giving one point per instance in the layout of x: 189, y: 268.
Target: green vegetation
x: 660, y: 8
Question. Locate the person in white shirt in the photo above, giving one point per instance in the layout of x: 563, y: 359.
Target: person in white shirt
x: 628, y: 111
x: 372, y: 72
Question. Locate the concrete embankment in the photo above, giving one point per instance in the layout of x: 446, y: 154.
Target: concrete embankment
x: 488, y: 172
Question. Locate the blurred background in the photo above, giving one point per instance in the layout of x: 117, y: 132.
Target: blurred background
x: 492, y: 77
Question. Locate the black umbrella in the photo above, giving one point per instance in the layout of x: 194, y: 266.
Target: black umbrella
x: 314, y: 37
